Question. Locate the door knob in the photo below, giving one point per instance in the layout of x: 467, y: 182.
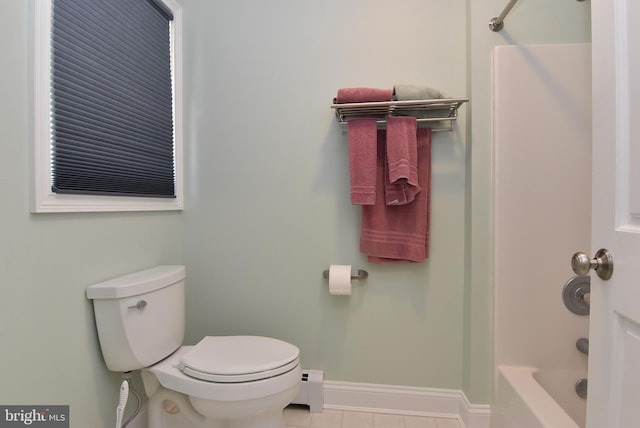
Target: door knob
x: 602, y: 263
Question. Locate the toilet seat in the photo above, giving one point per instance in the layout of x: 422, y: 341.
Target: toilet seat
x: 234, y: 359
x: 168, y: 373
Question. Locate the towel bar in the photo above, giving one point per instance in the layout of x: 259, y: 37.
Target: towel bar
x: 438, y: 111
x: 362, y: 274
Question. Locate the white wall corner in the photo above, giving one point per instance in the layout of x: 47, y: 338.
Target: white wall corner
x: 406, y: 400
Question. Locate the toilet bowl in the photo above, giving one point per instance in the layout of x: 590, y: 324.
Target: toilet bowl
x: 221, y: 382
x: 250, y: 383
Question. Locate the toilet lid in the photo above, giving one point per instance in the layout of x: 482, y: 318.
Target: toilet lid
x: 238, y: 358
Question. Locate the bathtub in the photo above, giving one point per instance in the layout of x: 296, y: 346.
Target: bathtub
x: 530, y: 398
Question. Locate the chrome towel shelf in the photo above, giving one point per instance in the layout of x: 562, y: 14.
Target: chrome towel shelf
x: 438, y: 114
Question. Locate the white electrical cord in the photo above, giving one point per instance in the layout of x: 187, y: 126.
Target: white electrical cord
x: 124, y: 396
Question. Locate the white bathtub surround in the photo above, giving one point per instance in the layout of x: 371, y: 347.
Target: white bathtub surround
x: 542, y: 215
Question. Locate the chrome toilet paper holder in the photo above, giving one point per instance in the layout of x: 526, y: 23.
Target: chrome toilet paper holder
x: 362, y: 274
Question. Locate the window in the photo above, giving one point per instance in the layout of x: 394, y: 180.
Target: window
x: 107, y: 106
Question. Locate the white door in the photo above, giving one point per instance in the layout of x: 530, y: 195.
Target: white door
x: 614, y: 357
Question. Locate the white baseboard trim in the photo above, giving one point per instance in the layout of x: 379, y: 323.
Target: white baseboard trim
x: 406, y: 400
x: 399, y: 400
x: 474, y: 415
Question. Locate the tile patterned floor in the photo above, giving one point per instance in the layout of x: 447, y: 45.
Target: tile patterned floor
x: 299, y: 416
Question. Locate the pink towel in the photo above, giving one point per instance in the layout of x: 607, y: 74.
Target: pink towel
x: 402, y: 160
x: 399, y: 233
x: 362, y: 95
x: 363, y: 137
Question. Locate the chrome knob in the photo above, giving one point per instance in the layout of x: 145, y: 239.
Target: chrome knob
x: 602, y: 264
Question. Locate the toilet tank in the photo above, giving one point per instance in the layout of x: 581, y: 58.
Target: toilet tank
x: 140, y: 317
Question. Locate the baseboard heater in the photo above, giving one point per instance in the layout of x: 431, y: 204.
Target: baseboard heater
x: 311, y: 390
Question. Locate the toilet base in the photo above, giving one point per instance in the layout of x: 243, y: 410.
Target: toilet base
x: 178, y: 420
x: 188, y: 417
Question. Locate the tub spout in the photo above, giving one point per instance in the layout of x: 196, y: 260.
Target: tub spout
x: 583, y: 345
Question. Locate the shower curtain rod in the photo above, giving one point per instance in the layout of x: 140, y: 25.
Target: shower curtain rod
x: 497, y: 23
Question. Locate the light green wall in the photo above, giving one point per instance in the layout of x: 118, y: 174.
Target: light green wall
x: 267, y: 157
x: 49, y: 352
x: 267, y: 207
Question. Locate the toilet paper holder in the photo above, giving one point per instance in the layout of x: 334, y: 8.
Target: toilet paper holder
x: 362, y: 274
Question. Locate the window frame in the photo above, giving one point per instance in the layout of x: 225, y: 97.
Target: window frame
x: 43, y: 199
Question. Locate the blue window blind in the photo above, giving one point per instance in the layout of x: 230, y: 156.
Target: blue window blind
x: 111, y: 101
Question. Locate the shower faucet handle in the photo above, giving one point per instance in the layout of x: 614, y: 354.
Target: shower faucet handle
x: 602, y: 263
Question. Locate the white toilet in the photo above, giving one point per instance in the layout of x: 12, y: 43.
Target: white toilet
x: 223, y: 381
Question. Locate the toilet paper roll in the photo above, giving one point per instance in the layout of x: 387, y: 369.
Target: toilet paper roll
x: 340, y: 280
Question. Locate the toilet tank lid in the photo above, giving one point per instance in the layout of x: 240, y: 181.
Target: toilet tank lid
x: 136, y: 283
